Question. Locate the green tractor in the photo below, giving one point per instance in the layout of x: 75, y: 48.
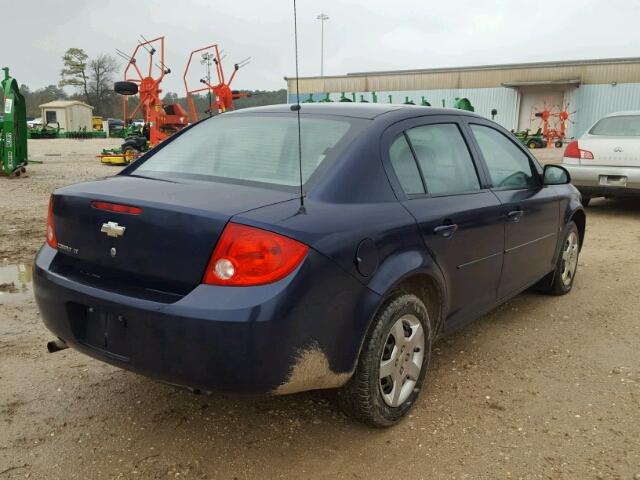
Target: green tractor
x: 136, y: 142
x: 531, y: 140
x: 50, y: 130
x: 13, y: 138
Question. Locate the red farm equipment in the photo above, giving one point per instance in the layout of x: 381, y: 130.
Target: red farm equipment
x: 221, y: 96
x: 143, y: 77
x: 564, y: 116
x: 554, y: 135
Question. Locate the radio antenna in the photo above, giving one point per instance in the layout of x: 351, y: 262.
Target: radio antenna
x: 296, y: 107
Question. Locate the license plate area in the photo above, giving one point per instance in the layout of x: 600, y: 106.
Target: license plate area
x: 613, y: 180
x: 101, y: 330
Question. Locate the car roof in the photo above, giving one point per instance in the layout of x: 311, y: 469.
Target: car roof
x: 622, y: 113
x: 356, y: 109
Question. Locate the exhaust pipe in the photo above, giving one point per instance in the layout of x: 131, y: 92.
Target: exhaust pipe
x: 56, y: 345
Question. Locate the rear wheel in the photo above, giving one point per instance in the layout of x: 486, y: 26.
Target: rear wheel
x: 560, y: 281
x: 392, y: 364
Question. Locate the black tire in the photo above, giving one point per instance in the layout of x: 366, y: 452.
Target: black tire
x: 130, y: 154
x: 558, y: 144
x: 138, y: 143
x: 362, y: 397
x: 125, y: 88
x: 532, y: 144
x: 554, y: 283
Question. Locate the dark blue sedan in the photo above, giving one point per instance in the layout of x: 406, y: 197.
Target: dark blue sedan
x: 198, y: 264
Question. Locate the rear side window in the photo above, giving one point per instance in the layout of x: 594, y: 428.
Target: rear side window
x: 254, y: 148
x: 508, y: 166
x: 405, y: 167
x: 444, y: 159
x: 618, y: 126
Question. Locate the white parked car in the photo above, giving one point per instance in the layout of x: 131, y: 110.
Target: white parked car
x: 605, y: 161
x: 36, y: 122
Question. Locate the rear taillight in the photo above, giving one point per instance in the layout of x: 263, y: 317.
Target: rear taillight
x: 51, y: 230
x: 251, y: 256
x: 116, y: 207
x: 573, y: 151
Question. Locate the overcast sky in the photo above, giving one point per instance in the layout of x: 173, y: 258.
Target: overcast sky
x: 360, y: 35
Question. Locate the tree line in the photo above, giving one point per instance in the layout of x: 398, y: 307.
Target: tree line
x: 93, y: 78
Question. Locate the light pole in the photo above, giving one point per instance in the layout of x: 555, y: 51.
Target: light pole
x: 206, y: 60
x: 322, y: 17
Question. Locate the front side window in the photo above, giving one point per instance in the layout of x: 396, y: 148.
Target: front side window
x: 405, y: 167
x: 508, y: 166
x: 253, y: 148
x: 444, y: 159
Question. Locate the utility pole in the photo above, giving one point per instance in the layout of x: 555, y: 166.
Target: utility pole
x: 322, y: 17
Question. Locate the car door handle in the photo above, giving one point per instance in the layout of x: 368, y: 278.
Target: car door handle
x: 446, y: 230
x: 515, y: 215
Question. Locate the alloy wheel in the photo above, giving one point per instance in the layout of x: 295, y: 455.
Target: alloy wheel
x: 570, y: 258
x: 401, y: 360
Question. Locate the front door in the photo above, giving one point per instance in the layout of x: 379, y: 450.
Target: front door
x: 530, y: 209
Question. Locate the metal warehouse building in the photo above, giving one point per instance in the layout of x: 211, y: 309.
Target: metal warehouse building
x: 591, y: 88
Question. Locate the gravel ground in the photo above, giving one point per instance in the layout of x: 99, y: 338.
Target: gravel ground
x: 542, y: 387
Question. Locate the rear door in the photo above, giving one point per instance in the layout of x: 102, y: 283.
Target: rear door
x: 531, y: 210
x: 460, y: 219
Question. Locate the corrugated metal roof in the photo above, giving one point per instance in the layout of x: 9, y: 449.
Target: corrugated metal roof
x: 508, y: 66
x: 64, y: 104
x: 613, y: 70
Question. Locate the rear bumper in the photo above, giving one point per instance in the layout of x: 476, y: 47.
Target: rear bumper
x: 300, y: 333
x: 594, y: 180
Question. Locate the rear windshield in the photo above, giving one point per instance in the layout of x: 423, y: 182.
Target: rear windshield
x: 256, y: 148
x: 618, y: 126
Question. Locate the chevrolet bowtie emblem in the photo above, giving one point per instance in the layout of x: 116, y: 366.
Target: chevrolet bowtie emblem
x: 112, y: 229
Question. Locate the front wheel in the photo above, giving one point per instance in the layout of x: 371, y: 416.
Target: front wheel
x: 560, y: 281
x: 392, y: 364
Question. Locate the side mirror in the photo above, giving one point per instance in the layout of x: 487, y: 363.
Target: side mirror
x: 555, y: 175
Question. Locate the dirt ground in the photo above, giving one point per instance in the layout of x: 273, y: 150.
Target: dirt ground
x: 541, y: 388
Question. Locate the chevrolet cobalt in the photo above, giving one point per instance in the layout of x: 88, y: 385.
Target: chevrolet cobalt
x: 202, y: 265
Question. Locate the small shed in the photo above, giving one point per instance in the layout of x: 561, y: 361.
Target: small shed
x: 72, y: 115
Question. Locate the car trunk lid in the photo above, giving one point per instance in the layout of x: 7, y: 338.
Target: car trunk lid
x: 611, y: 150
x: 166, y: 246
